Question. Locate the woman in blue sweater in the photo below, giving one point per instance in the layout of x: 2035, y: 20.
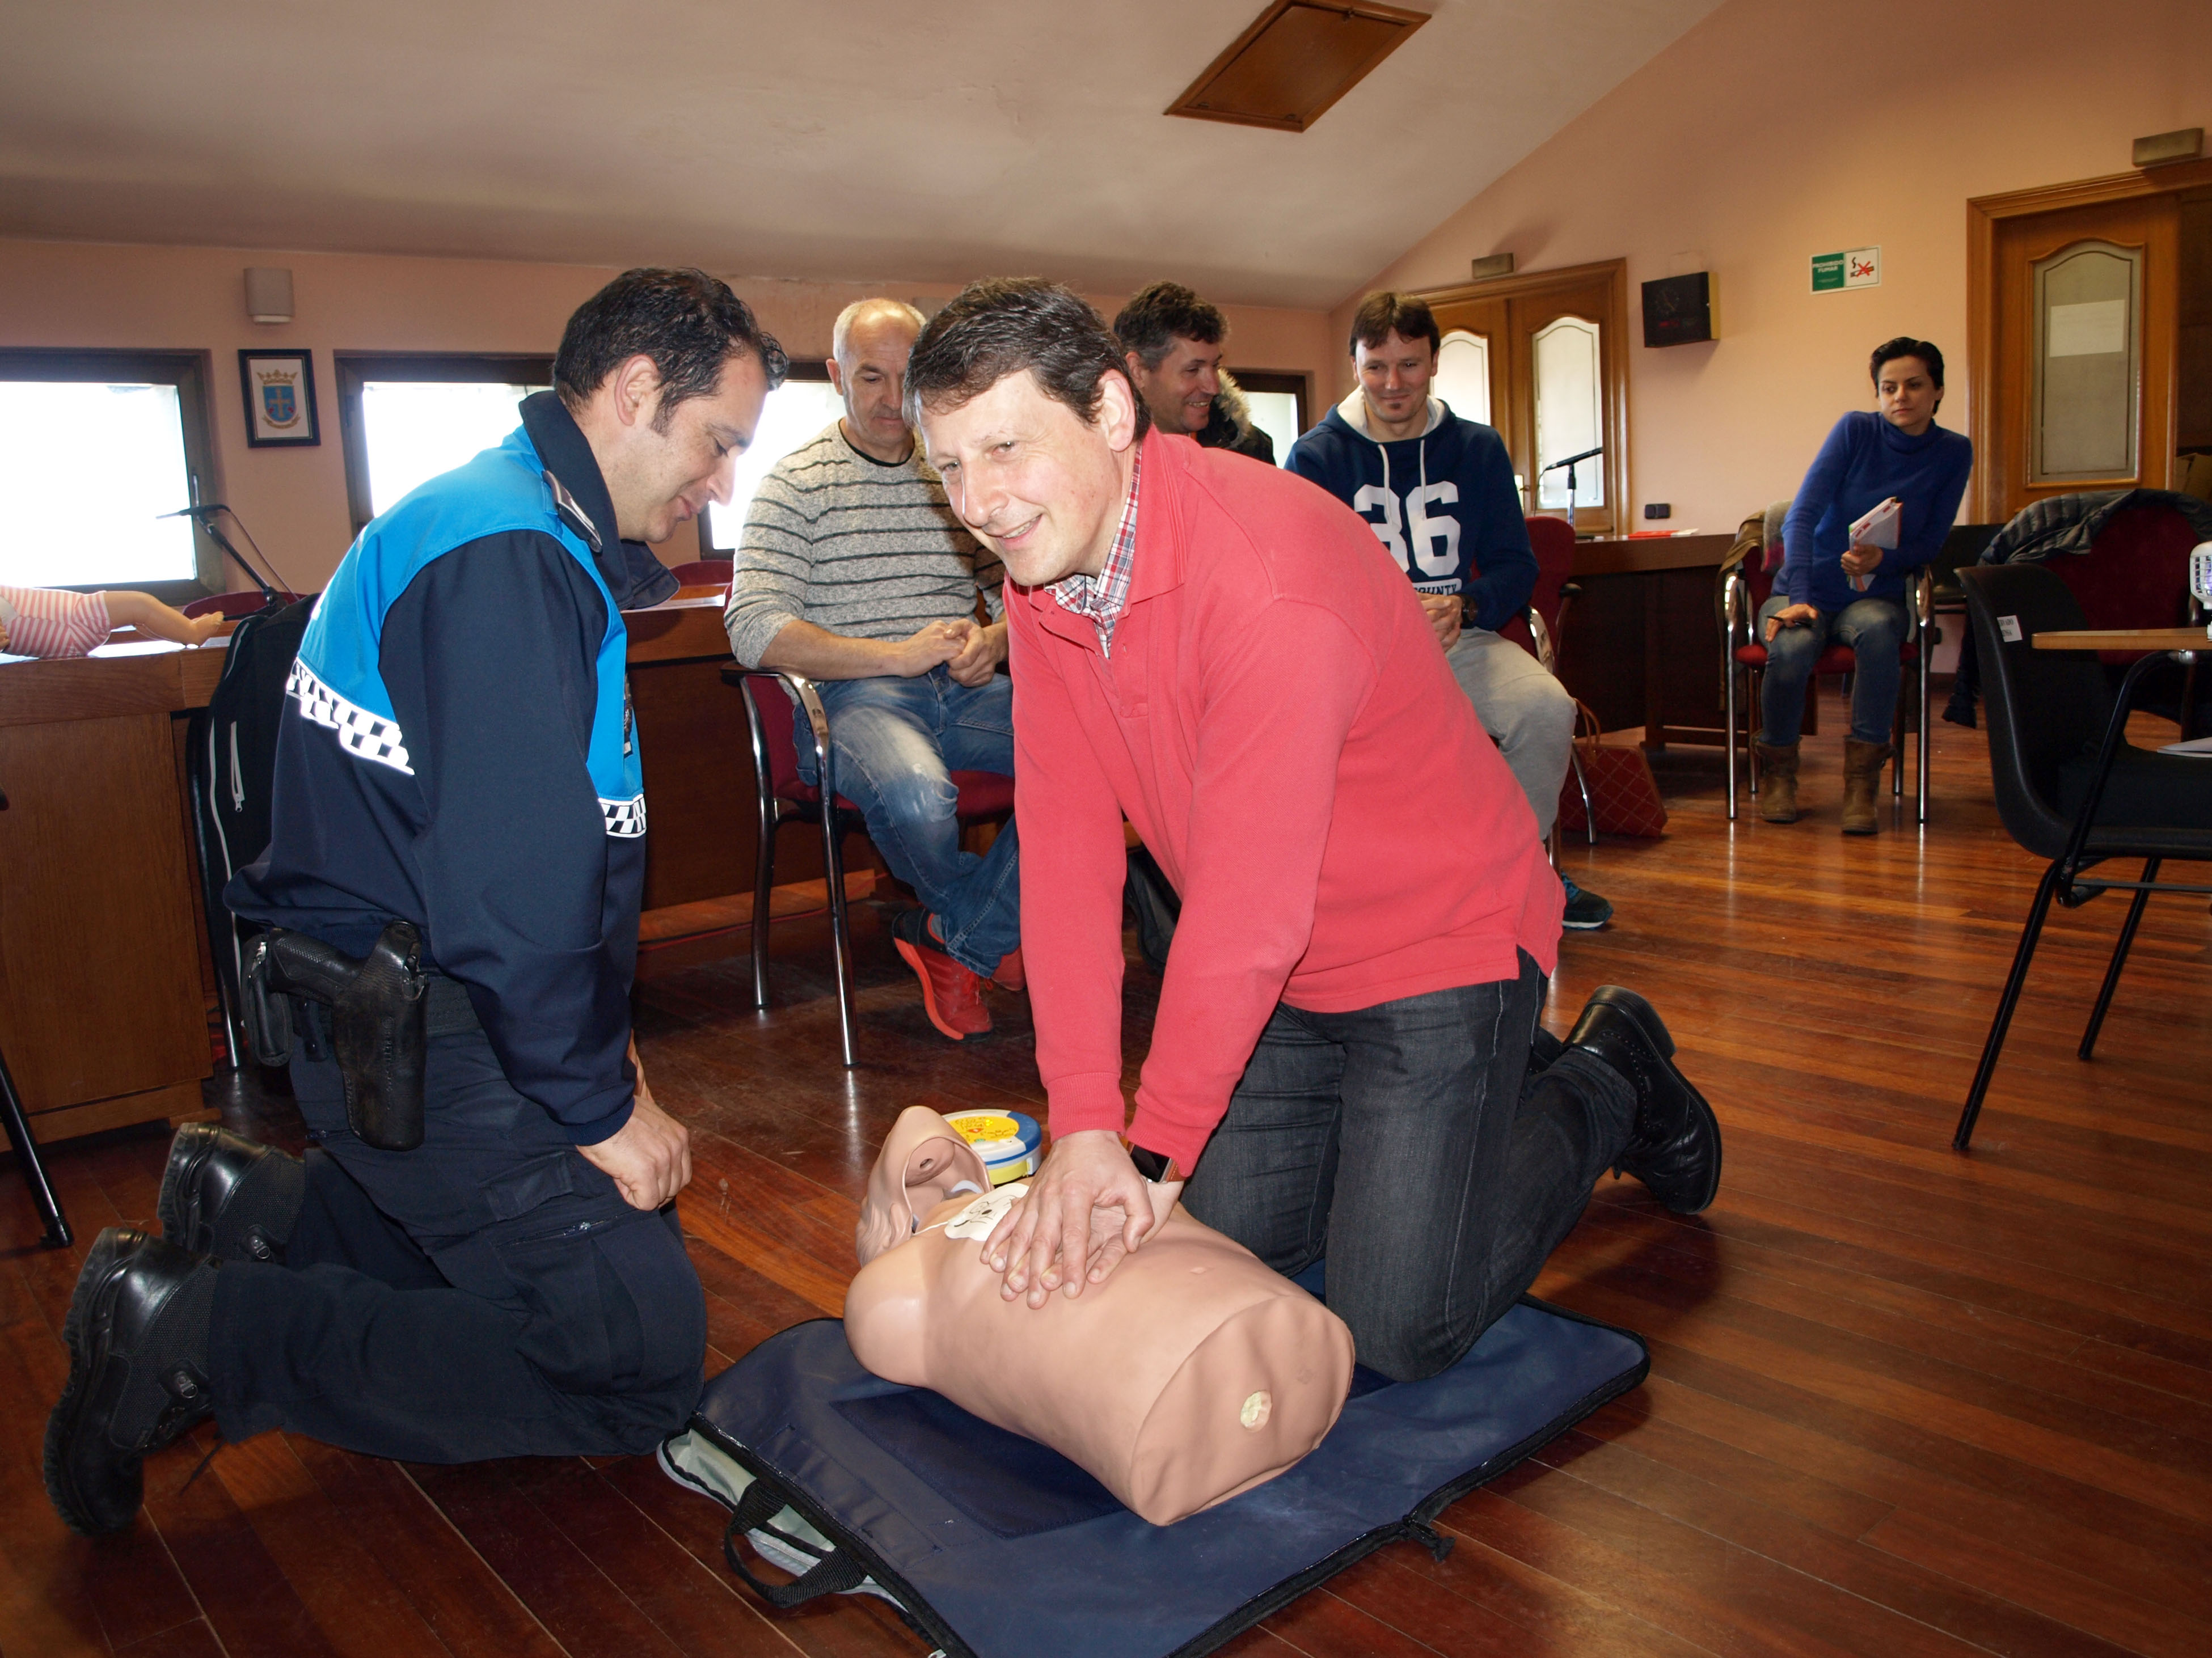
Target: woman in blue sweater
x: 1831, y: 587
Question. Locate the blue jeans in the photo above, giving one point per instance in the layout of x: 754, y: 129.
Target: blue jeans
x: 1874, y: 629
x: 895, y: 744
x: 1435, y: 1148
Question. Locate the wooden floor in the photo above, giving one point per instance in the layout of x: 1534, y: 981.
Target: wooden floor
x: 1902, y: 1402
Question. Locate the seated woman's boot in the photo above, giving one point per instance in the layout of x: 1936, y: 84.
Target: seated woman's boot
x: 1863, y: 764
x: 1778, y: 782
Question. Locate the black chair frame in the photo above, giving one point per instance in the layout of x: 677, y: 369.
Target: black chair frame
x: 2087, y: 845
x: 776, y: 811
x: 26, y: 1147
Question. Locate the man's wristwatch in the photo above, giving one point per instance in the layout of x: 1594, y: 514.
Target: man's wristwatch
x: 1152, y: 1165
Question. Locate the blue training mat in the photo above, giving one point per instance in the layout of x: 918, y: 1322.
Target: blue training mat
x: 997, y: 1547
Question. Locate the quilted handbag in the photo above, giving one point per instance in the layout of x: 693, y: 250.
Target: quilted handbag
x: 1623, y: 794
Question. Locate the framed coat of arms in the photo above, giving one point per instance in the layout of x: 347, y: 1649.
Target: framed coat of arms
x: 280, y: 398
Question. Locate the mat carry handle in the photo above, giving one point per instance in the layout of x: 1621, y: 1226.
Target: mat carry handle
x: 833, y: 1573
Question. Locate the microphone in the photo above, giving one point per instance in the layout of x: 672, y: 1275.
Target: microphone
x: 205, y: 517
x: 1570, y: 460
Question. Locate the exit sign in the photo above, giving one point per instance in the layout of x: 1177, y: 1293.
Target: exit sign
x: 1861, y: 267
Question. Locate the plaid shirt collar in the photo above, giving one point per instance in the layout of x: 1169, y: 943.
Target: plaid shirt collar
x: 1101, y: 597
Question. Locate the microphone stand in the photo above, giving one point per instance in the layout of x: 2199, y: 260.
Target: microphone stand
x: 206, y: 517
x: 1569, y: 463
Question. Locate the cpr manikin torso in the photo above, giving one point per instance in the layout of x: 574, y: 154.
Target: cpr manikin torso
x: 1191, y: 1374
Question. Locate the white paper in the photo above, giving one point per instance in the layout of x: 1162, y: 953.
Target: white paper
x: 2094, y: 328
x: 2008, y: 629
x: 2200, y: 747
x: 981, y: 1219
x: 1878, y: 527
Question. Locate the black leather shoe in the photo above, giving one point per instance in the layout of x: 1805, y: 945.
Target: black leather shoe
x: 137, y: 1336
x: 1674, y: 1145
x: 224, y: 1195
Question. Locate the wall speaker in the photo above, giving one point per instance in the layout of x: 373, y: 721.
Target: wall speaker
x: 268, y: 294
x: 1679, y: 310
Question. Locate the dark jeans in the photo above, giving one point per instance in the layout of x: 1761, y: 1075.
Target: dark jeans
x: 1417, y: 1145
x: 1874, y: 628
x: 488, y: 1294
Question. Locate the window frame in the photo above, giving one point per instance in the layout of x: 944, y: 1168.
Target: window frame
x: 355, y: 368
x: 189, y: 372
x: 815, y: 371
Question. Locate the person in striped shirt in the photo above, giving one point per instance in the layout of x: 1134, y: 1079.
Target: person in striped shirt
x: 853, y: 572
x: 56, y: 622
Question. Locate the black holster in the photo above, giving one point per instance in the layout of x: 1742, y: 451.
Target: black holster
x: 379, y: 1022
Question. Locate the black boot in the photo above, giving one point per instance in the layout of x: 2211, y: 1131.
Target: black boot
x: 1674, y: 1145
x: 224, y: 1195
x: 137, y: 1336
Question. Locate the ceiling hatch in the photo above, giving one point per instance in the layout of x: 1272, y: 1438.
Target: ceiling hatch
x: 1297, y: 59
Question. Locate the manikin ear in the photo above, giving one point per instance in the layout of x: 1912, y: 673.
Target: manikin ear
x: 1117, y: 412
x: 633, y: 390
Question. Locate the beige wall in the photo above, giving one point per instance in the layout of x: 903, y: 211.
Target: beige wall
x: 1779, y: 129
x: 87, y: 295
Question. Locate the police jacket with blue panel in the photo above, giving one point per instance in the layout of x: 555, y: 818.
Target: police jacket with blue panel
x: 459, y: 753
x: 1443, y: 503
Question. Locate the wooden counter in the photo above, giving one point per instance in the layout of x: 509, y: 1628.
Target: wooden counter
x: 1641, y: 646
x: 105, y: 981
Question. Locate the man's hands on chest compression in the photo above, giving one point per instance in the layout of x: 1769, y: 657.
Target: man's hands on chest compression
x: 649, y: 1156
x: 1086, y: 1209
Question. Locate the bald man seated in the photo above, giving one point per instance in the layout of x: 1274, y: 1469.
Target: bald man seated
x: 853, y: 573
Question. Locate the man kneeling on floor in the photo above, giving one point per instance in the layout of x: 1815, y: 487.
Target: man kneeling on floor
x: 458, y: 793
x: 1346, y: 1059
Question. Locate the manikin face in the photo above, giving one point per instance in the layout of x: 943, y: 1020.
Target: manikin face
x: 1909, y: 397
x: 659, y: 480
x: 1039, y: 485
x: 1394, y: 378
x: 1181, y: 390
x: 872, y: 378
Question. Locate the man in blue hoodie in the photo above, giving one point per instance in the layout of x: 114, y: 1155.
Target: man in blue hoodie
x: 460, y: 757
x: 1438, y: 492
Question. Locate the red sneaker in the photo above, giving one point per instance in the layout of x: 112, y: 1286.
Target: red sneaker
x: 1011, y: 973
x: 951, y: 994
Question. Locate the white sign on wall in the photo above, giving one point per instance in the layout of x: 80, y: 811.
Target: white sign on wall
x: 1858, y: 267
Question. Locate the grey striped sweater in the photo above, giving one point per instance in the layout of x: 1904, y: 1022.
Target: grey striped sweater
x: 854, y: 547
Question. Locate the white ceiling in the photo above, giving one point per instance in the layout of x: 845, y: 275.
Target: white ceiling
x: 835, y: 139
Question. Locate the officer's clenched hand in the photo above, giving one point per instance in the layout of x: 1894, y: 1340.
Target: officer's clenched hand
x: 649, y: 1156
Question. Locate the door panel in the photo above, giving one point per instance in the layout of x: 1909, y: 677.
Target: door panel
x: 2086, y: 321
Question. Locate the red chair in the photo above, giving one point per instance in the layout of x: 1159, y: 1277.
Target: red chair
x: 1541, y: 629
x: 1746, y: 589
x: 233, y: 604
x: 770, y: 697
x: 705, y: 573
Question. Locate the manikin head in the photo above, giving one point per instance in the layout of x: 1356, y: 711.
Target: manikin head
x: 1171, y: 342
x: 1027, y: 411
x: 1908, y: 382
x: 1393, y: 346
x: 665, y: 372
x: 867, y: 365
x: 923, y: 1162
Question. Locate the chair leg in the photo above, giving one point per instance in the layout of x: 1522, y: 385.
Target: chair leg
x: 1897, y: 747
x: 1920, y: 760
x: 2119, y: 960
x: 840, y: 936
x: 764, y: 890
x: 1590, y: 810
x: 1728, y: 668
x: 1754, y: 682
x: 34, y: 1168
x: 2006, y: 1003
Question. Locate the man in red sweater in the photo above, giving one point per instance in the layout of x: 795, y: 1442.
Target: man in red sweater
x: 1346, y: 1059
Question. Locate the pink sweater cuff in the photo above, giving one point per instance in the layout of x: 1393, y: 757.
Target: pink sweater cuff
x: 1080, y: 1103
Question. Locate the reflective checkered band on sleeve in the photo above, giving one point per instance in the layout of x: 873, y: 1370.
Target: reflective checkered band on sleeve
x: 366, y: 735
x: 625, y: 818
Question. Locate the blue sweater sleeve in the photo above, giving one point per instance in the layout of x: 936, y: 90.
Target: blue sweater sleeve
x: 1814, y: 495
x: 489, y: 656
x: 1924, y: 539
x: 1506, y: 561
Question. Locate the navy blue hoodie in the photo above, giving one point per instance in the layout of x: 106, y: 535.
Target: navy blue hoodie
x: 459, y: 754
x: 1443, y: 503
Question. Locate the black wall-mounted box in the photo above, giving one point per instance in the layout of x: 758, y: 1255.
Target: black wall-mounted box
x: 1679, y: 310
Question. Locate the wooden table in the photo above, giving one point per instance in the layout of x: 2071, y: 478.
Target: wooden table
x: 2126, y: 639
x: 1641, y: 646
x: 105, y: 982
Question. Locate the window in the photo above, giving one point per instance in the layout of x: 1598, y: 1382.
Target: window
x: 2088, y: 341
x: 406, y: 418
x: 1569, y: 399
x: 795, y: 415
x: 1277, y: 402
x: 95, y: 448
x: 1462, y: 376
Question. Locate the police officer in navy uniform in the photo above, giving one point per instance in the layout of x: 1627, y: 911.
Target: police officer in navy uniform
x: 460, y: 755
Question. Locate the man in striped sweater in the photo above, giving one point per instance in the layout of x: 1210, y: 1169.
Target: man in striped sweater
x: 855, y: 573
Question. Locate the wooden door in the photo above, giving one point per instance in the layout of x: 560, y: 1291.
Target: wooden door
x: 1490, y: 322
x: 2086, y: 334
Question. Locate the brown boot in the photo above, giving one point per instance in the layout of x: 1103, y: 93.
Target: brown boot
x: 1778, y: 782
x: 1863, y: 764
